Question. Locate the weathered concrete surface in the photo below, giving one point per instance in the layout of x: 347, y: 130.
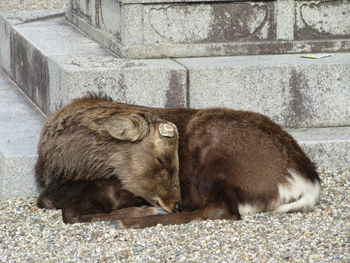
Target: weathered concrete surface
x: 322, y: 19
x: 13, y: 6
x: 328, y: 147
x: 53, y: 62
x: 157, y: 83
x: 20, y: 122
x: 28, y: 45
x: 293, y: 91
x: 171, y: 28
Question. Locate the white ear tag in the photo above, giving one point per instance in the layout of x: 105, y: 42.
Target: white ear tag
x: 166, y: 130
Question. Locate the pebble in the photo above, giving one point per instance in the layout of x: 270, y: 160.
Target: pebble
x: 28, y: 234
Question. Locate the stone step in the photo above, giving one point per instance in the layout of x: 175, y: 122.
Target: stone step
x: 192, y: 28
x: 294, y: 91
x: 54, y: 62
x: 20, y: 122
x: 327, y: 147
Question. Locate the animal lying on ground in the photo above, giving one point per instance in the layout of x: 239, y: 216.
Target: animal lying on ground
x: 98, y: 158
x: 232, y: 163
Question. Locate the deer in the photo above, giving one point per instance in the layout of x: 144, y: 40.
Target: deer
x: 94, y: 160
x: 231, y: 164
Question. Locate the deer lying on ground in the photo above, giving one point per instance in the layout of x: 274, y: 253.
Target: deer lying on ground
x: 232, y: 163
x: 95, y: 159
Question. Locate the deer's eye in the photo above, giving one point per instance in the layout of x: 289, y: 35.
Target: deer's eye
x: 161, y: 163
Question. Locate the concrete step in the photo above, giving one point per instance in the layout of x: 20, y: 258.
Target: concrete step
x: 20, y: 122
x: 53, y: 62
x: 294, y: 91
x: 172, y: 28
x: 327, y: 147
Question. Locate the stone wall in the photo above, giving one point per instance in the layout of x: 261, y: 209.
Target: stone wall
x: 173, y: 28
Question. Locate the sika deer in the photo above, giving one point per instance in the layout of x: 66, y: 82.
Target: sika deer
x: 232, y: 163
x: 95, y: 159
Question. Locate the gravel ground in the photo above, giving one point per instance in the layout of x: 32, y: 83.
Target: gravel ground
x: 28, y: 234
x: 12, y: 6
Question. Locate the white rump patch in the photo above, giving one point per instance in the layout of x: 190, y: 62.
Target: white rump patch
x: 299, y: 194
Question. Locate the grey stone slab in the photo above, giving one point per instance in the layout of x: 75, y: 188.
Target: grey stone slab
x: 18, y: 177
x: 172, y: 1
x: 22, y: 17
x: 63, y: 63
x: 111, y: 19
x: 5, y: 53
x: 327, y: 147
x: 294, y: 91
x: 29, y: 41
x: 285, y: 19
x: 20, y: 122
x: 52, y: 35
x: 219, y: 22
x: 159, y: 83
x: 322, y: 19
x: 172, y: 28
x: 83, y: 8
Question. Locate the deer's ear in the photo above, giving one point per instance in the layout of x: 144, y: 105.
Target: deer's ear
x: 131, y: 127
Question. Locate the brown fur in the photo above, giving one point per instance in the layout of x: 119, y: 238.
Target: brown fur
x: 93, y: 156
x: 227, y: 158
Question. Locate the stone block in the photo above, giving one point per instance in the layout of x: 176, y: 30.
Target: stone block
x: 327, y: 147
x: 5, y: 54
x: 83, y: 8
x: 322, y: 19
x: 219, y: 22
x: 173, y: 28
x: 53, y: 62
x: 153, y: 83
x: 293, y: 91
x: 20, y: 122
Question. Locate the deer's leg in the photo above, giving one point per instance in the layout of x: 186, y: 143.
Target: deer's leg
x: 224, y: 205
x: 75, y: 214
x: 172, y: 219
x: 212, y: 211
x: 105, y: 206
